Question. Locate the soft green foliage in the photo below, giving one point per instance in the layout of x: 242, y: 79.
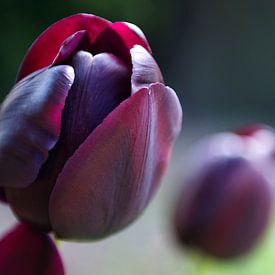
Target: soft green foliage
x: 258, y: 262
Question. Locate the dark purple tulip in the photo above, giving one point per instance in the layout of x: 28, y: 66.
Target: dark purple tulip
x: 26, y: 251
x: 92, y: 171
x: 225, y: 204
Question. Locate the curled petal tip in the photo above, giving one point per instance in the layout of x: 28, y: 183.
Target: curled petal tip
x: 30, y: 121
x: 145, y: 69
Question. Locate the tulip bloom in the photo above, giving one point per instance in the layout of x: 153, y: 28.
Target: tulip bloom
x: 86, y: 133
x: 225, y: 205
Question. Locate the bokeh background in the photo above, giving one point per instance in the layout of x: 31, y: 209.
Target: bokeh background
x: 219, y: 56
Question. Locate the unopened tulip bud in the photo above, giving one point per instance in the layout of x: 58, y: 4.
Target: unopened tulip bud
x: 225, y: 203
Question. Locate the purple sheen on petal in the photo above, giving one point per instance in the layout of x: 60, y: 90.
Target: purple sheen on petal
x: 101, y: 83
x: 30, y: 122
x: 145, y: 69
x: 78, y: 40
x: 110, y: 179
x: 26, y: 251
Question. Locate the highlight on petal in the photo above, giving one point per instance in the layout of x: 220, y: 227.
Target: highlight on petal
x: 30, y: 122
x: 145, y: 69
x: 46, y: 47
x: 26, y: 251
x: 110, y: 179
x: 101, y: 83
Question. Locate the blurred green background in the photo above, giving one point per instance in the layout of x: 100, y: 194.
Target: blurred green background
x: 219, y: 57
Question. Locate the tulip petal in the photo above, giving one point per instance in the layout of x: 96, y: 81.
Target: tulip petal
x: 145, y: 69
x: 101, y: 83
x: 30, y: 122
x: 139, y: 33
x: 71, y: 45
x: 25, y: 251
x: 110, y: 179
x: 118, y: 39
x: 46, y: 47
x: 131, y: 35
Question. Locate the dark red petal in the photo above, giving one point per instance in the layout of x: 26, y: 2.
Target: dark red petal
x: 118, y: 39
x: 130, y: 35
x: 110, y: 179
x: 145, y: 69
x: 46, y: 47
x: 139, y: 33
x: 24, y: 251
x: 100, y: 84
x: 30, y: 122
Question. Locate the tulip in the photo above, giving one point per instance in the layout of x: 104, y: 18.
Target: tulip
x: 87, y: 132
x: 225, y: 204
x: 26, y: 251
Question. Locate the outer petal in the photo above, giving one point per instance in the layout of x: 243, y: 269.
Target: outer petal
x: 110, y: 179
x: 46, y: 47
x: 30, y: 121
x: 145, y: 69
x: 25, y: 251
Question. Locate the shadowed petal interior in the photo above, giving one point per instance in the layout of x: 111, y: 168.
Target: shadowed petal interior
x: 111, y: 177
x: 30, y: 122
